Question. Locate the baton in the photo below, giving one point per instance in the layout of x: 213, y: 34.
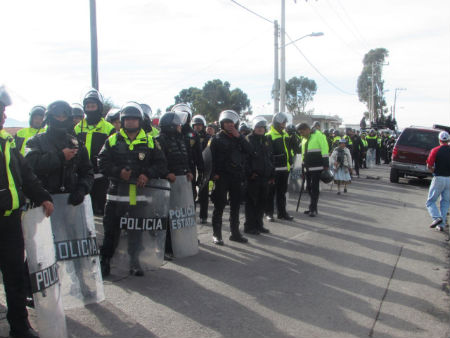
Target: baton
x: 301, y: 191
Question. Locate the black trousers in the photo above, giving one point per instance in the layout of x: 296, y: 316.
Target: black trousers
x: 357, y: 161
x: 98, y: 195
x: 226, y: 184
x: 13, y: 270
x: 257, y: 191
x: 313, y: 182
x: 111, y: 229
x: 203, y: 199
x: 278, y: 191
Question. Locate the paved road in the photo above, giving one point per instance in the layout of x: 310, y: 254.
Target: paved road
x: 367, y: 266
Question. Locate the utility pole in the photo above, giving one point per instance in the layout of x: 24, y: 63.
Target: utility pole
x: 276, y: 81
x: 283, y: 60
x: 372, y: 106
x: 94, y: 51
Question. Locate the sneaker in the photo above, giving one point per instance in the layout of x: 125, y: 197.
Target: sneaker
x: 313, y: 214
x: 435, y: 223
x: 168, y: 256
x: 439, y: 228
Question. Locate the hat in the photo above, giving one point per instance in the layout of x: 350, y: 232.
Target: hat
x: 444, y: 136
x: 342, y: 140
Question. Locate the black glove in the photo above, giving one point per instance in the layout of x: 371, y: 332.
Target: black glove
x: 76, y: 197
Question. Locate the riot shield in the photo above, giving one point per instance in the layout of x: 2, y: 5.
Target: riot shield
x: 77, y: 252
x: 182, y: 224
x: 295, y: 176
x: 142, y: 213
x: 43, y: 269
x: 207, y: 162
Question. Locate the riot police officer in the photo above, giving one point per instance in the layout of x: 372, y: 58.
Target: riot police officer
x: 173, y: 146
x: 259, y: 174
x: 192, y: 141
x: 130, y: 155
x: 279, y: 140
x: 199, y: 126
x: 36, y: 123
x: 77, y: 113
x: 93, y: 132
x: 16, y: 181
x: 228, y: 149
x: 56, y: 157
x: 244, y: 129
x: 315, y: 155
x: 113, y: 117
x: 148, y: 127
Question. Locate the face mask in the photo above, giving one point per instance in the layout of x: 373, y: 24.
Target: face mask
x: 65, y: 126
x: 93, y: 117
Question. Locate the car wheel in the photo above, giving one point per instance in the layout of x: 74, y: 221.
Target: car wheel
x: 394, y: 175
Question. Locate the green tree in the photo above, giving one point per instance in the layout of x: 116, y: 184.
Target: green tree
x: 214, y: 97
x: 299, y: 92
x: 373, y: 63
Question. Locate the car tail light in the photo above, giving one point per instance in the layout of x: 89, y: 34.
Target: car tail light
x: 394, y: 152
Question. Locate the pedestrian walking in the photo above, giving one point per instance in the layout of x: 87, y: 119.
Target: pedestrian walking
x: 342, y: 163
x: 438, y: 163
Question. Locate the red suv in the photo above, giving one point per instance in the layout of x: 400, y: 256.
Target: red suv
x: 411, y: 151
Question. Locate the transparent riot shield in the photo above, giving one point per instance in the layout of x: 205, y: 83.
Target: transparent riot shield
x: 77, y: 252
x: 43, y: 269
x: 142, y: 215
x: 182, y: 224
x: 295, y: 177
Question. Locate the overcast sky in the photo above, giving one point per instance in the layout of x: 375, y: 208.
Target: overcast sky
x: 151, y: 49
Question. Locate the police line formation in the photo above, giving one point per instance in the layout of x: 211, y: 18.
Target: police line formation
x: 72, y: 163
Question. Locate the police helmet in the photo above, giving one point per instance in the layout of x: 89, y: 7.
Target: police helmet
x: 279, y: 118
x: 77, y: 110
x: 37, y: 110
x: 184, y: 112
x: 290, y: 129
x: 332, y: 131
x: 326, y: 176
x: 198, y: 119
x: 113, y: 115
x: 229, y: 115
x: 259, y: 121
x: 316, y: 125
x: 93, y: 96
x: 244, y: 128
x: 59, y: 108
x: 169, y: 122
x: 146, y: 110
x: 131, y: 110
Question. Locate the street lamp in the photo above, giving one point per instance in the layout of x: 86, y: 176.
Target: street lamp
x: 305, y: 36
x: 283, y: 66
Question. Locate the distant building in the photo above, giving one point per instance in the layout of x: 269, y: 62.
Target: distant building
x: 326, y: 121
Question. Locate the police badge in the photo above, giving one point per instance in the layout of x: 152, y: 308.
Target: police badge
x: 141, y: 156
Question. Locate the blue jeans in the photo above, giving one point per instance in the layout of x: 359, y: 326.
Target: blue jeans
x: 440, y: 186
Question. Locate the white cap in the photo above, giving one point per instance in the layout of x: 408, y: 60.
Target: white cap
x: 444, y: 136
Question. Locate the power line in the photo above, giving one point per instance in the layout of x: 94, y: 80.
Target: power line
x: 316, y: 69
x: 334, y: 31
x: 254, y: 13
x: 345, y: 24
